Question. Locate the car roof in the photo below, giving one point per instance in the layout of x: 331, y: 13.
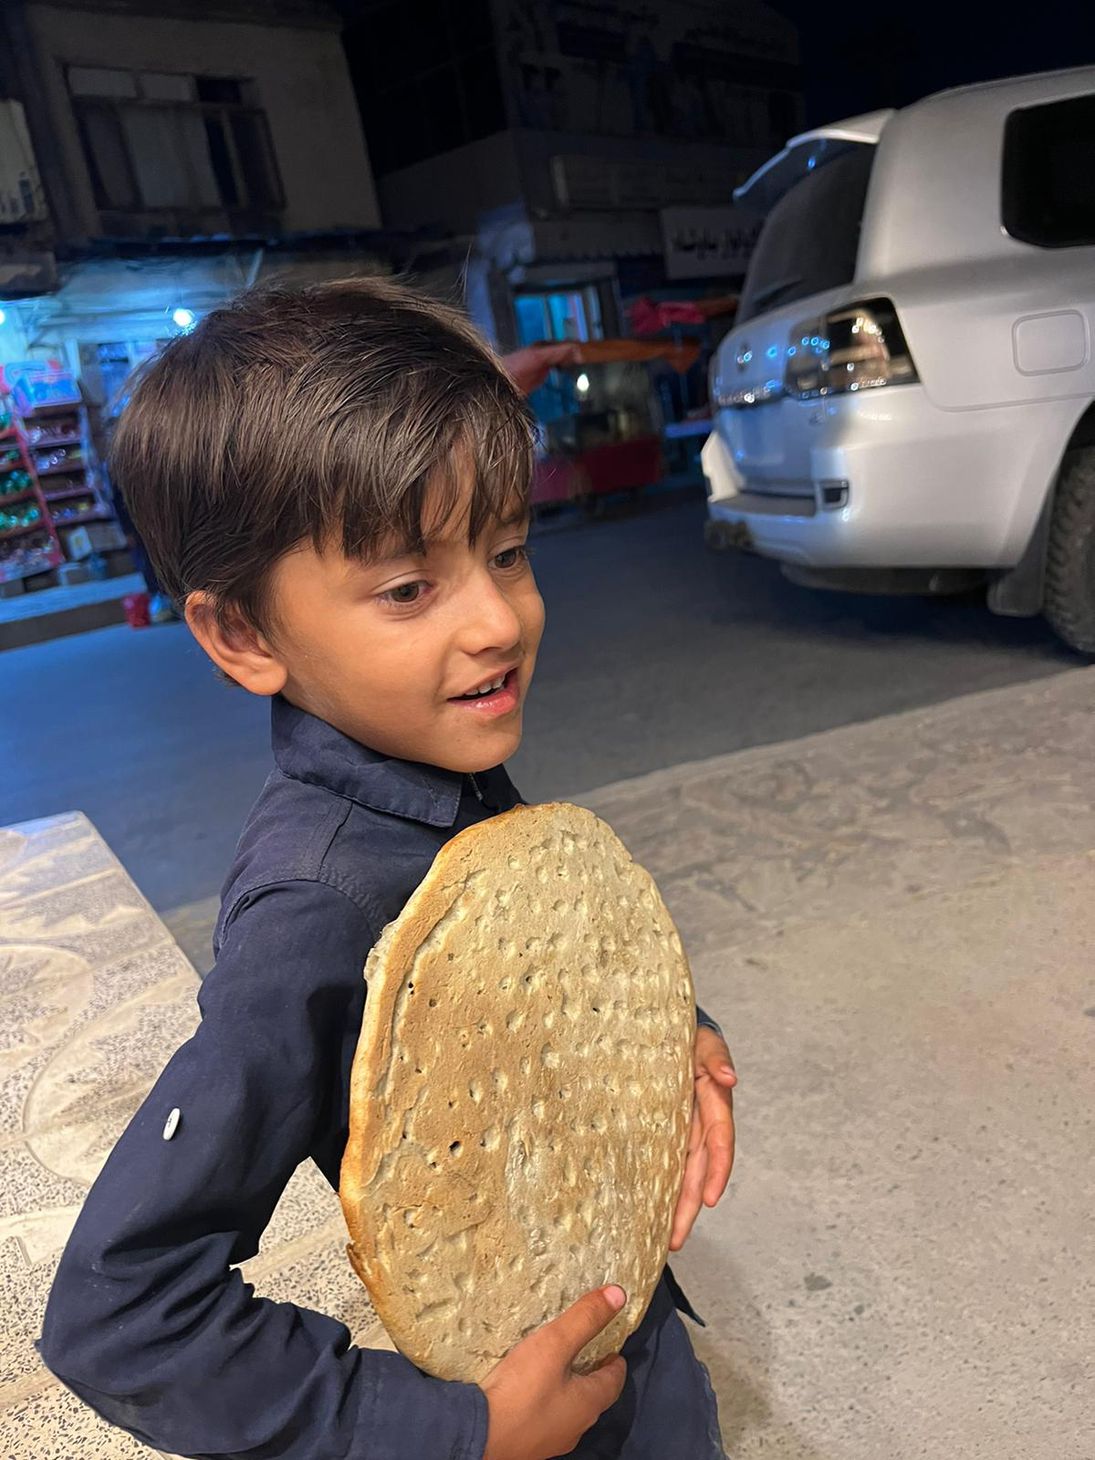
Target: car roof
x: 775, y: 176
x: 1019, y: 83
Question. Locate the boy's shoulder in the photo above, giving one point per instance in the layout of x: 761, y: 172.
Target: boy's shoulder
x: 336, y: 813
x: 300, y: 832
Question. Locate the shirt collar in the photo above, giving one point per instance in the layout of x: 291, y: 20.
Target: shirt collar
x: 308, y: 749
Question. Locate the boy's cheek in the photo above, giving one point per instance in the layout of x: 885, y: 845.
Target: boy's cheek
x: 531, y: 614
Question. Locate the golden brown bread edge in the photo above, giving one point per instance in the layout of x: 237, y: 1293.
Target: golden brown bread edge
x: 397, y: 947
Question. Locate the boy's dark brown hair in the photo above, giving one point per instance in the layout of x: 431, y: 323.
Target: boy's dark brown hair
x: 312, y: 414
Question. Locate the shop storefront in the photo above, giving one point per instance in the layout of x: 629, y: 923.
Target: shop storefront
x: 67, y: 358
x: 623, y: 419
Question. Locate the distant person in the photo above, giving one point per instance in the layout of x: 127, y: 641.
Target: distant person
x: 346, y: 530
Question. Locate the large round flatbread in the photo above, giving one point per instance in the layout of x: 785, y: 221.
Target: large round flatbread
x: 521, y: 1093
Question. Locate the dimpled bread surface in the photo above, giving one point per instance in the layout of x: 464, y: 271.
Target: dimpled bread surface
x: 521, y: 1092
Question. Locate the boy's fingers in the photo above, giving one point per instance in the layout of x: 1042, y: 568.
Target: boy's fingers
x: 583, y: 1320
x: 719, y: 1066
x: 716, y: 1114
x: 691, y: 1197
x: 603, y: 1385
x: 720, y: 1148
x: 695, y: 1130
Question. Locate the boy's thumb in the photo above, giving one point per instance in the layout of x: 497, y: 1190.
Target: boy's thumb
x: 583, y: 1320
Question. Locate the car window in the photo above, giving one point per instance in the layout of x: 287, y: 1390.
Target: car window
x: 1048, y: 177
x: 810, y: 239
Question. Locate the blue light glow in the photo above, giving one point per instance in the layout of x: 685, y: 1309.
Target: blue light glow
x: 773, y: 351
x: 183, y: 318
x: 792, y: 350
x: 3, y: 317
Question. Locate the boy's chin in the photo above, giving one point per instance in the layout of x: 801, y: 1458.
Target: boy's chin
x: 495, y: 749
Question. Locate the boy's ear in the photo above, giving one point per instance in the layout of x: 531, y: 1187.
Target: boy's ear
x: 235, y: 646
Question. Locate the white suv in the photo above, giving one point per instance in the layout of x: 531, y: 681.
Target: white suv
x: 907, y: 399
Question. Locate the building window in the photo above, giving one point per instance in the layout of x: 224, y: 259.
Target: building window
x: 163, y: 143
x: 573, y: 314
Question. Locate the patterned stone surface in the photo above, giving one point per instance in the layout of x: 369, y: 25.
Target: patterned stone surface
x: 95, y: 996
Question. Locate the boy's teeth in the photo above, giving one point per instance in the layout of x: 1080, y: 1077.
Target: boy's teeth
x: 484, y: 689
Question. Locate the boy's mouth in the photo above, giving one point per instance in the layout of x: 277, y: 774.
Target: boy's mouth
x: 495, y: 696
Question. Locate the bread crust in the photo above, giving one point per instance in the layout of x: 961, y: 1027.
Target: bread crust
x: 521, y: 1092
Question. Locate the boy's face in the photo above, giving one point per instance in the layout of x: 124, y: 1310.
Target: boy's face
x: 385, y: 650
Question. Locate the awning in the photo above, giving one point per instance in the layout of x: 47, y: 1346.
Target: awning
x: 529, y: 367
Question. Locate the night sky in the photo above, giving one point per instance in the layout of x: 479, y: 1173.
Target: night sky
x: 856, y: 58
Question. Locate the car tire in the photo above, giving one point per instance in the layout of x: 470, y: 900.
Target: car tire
x: 1070, y: 553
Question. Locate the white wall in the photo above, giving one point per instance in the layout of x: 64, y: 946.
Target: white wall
x: 300, y: 76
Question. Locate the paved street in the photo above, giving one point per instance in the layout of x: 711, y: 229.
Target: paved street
x: 657, y: 652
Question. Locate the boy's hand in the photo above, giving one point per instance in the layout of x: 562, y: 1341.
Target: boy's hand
x: 711, y: 1139
x: 538, y: 1406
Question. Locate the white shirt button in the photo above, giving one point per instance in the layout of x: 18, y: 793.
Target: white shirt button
x: 172, y: 1123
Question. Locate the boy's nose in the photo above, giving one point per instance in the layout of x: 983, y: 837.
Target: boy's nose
x: 489, y: 619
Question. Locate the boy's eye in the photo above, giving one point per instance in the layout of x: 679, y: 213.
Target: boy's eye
x: 511, y: 557
x: 404, y: 593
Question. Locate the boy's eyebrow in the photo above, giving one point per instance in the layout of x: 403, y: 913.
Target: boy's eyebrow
x: 389, y: 552
x: 518, y: 516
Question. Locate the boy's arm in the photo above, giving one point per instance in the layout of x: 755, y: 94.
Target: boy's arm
x: 148, y: 1320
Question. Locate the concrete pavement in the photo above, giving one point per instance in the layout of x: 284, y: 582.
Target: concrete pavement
x: 893, y: 922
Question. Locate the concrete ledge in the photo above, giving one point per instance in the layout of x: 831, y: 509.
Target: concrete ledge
x: 97, y: 998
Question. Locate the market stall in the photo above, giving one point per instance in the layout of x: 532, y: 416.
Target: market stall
x: 606, y: 433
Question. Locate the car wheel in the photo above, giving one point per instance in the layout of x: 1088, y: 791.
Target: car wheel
x: 1070, y: 556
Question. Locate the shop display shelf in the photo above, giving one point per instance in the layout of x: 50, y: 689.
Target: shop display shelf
x: 44, y: 444
x: 85, y: 491
x: 40, y: 526
x: 63, y: 468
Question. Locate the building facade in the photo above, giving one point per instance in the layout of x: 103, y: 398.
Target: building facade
x: 586, y: 148
x: 175, y: 159
x: 156, y: 157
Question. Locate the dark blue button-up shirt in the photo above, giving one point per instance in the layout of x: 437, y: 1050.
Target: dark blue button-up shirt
x: 149, y: 1321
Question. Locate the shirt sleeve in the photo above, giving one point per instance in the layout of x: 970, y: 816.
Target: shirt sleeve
x: 705, y: 1021
x: 148, y: 1321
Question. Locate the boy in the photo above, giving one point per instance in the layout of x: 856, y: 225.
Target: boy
x: 334, y: 481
